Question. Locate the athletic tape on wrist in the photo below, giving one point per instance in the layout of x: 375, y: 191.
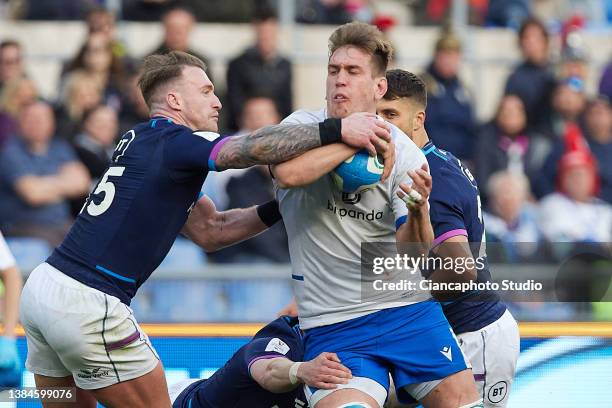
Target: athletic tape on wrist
x: 293, y: 372
x: 330, y: 131
x: 269, y: 213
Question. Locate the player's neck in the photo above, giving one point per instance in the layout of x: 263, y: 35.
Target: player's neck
x: 168, y: 114
x: 420, y: 138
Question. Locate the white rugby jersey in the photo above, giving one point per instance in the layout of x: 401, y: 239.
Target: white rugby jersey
x: 326, y: 228
x: 6, y: 258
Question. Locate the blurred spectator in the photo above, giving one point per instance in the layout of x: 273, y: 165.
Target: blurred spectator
x: 512, y: 220
x: 260, y: 69
x: 507, y: 13
x: 178, y: 25
x: 254, y: 186
x: 56, y: 9
x: 134, y: 110
x: 101, y: 20
x: 450, y: 114
x: 96, y: 58
x: 15, y: 95
x: 323, y: 12
x: 505, y: 143
x: 598, y: 130
x: 574, y: 63
x: 605, y: 84
x: 95, y: 144
x: 568, y: 104
x: 573, y: 213
x: 11, y: 62
x: 533, y: 79
x: 37, y: 176
x: 82, y: 91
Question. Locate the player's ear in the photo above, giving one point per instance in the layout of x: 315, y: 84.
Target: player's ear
x: 174, y: 100
x: 419, y: 120
x: 381, y: 87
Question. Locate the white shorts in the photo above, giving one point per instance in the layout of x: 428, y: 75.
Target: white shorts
x: 493, y: 352
x: 73, y: 329
x: 363, y: 384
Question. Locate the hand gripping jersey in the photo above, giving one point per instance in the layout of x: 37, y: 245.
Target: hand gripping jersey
x: 132, y: 217
x: 233, y: 386
x: 326, y: 229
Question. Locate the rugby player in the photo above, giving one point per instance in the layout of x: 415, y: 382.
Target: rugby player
x: 75, y: 306
x: 404, y: 334
x: 10, y: 365
x: 487, y: 332
x: 264, y: 373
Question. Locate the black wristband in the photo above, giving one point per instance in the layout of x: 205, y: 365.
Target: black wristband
x: 330, y: 131
x: 269, y: 213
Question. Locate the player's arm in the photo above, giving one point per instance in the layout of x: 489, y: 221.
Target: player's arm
x: 280, y: 374
x: 417, y: 228
x: 213, y: 230
x: 278, y: 143
x: 11, y: 279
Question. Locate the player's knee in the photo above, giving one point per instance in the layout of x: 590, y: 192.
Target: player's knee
x: 355, y: 405
x: 475, y: 404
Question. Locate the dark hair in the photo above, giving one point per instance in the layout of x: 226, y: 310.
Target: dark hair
x: 532, y: 21
x: 9, y: 43
x: 366, y: 37
x: 264, y: 13
x: 159, y: 69
x: 180, y: 7
x: 117, y: 69
x: 404, y: 84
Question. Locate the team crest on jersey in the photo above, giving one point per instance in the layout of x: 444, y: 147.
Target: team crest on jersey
x: 350, y: 198
x: 123, y: 145
x: 278, y: 346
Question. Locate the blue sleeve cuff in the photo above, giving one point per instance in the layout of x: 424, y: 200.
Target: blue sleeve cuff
x: 400, y: 221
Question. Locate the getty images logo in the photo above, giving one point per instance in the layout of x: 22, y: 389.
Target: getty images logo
x: 355, y: 214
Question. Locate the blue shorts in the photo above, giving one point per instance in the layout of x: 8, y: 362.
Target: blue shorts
x: 413, y: 343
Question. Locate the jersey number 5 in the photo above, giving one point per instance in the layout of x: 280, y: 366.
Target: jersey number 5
x: 106, y: 187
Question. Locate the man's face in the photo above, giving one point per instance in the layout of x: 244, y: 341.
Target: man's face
x: 447, y: 63
x: 37, y: 123
x: 266, y: 33
x: 401, y: 112
x: 199, y: 105
x: 534, y: 45
x: 578, y: 183
x: 10, y: 63
x: 352, y: 86
x: 178, y: 25
x: 103, y: 125
x: 258, y: 113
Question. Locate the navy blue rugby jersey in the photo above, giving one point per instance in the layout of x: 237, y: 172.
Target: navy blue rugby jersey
x: 131, y: 219
x: 455, y: 210
x: 232, y: 385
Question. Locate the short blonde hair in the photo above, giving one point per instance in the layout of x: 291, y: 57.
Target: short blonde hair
x: 366, y: 37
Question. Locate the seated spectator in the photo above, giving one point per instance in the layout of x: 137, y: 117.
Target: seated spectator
x: 82, y: 91
x: 14, y: 96
x: 574, y: 213
x: 450, y: 114
x: 323, y: 12
x: 512, y: 220
x: 598, y: 130
x: 505, y: 143
x: 37, y: 176
x: 96, y: 58
x: 56, y: 9
x: 11, y: 62
x: 145, y: 10
x: 568, y: 104
x: 533, y: 79
x: 507, y: 13
x: 178, y: 26
x: 245, y: 188
x: 605, y: 83
x: 101, y: 20
x: 260, y: 69
x: 134, y: 109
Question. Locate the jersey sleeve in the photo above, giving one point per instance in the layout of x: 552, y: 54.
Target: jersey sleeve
x: 446, y: 215
x: 406, y: 160
x: 6, y: 258
x: 269, y: 347
x: 194, y: 151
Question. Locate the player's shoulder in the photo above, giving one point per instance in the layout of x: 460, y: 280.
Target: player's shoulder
x: 306, y: 116
x: 407, y: 153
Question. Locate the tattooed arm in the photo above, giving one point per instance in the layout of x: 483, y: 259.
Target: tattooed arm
x: 278, y: 143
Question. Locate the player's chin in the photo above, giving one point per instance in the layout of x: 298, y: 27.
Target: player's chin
x: 340, y: 109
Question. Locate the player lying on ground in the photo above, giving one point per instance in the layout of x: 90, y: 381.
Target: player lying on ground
x: 487, y: 332
x: 263, y: 373
x: 10, y: 365
x: 373, y: 338
x: 75, y: 307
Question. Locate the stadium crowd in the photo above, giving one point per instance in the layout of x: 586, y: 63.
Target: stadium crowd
x: 545, y: 153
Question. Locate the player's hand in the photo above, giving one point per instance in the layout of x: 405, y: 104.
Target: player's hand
x: 416, y: 196
x: 289, y: 310
x: 9, y: 359
x: 389, y: 161
x: 366, y: 131
x: 324, y: 372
